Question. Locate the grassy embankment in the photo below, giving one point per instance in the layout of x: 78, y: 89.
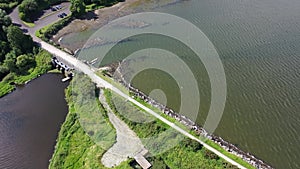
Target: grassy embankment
x: 43, y: 65
x: 48, y: 31
x: 209, y: 142
x: 187, y: 154
x: 75, y: 148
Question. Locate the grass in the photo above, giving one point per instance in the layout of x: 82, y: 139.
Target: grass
x: 54, y: 71
x: 39, y: 33
x: 110, y: 94
x: 75, y: 148
x: 209, y: 142
x: 42, y: 59
x: 183, y: 153
x: 29, y: 24
x: 49, y: 30
x: 92, y: 7
x: 232, y: 156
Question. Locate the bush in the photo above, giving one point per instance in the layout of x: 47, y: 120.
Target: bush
x: 22, y: 16
x: 53, y: 29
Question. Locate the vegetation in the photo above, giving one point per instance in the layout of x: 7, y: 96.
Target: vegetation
x: 29, y: 9
x: 102, y: 2
x: 48, y: 31
x: 74, y: 148
x: 8, y: 5
x: 20, y: 59
x: 187, y: 154
x: 79, y: 7
x: 42, y: 64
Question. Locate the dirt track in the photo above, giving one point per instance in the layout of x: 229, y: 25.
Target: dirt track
x: 127, y: 145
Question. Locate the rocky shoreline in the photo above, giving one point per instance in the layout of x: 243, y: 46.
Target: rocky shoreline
x: 249, y: 158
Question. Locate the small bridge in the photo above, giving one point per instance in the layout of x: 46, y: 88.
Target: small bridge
x: 65, y: 69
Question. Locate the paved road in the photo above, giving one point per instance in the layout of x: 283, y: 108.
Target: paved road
x: 80, y: 66
x: 47, y: 18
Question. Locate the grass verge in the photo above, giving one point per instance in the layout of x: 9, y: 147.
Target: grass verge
x: 29, y: 24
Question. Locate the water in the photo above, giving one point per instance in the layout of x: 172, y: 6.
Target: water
x: 30, y: 119
x: 259, y: 44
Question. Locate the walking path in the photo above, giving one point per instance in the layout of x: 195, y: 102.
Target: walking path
x: 128, y: 145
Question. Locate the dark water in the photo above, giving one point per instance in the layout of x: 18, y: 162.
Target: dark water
x: 30, y: 119
x: 259, y: 44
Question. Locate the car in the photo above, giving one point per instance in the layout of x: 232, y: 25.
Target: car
x: 64, y: 14
x: 53, y: 9
x: 60, y: 16
x: 58, y: 7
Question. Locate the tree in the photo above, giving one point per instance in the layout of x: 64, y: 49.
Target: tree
x: 77, y: 7
x: 18, y: 40
x: 27, y: 8
x: 3, y: 71
x: 4, y: 18
x: 4, y: 22
x: 4, y: 48
x: 10, y: 61
x: 24, y: 62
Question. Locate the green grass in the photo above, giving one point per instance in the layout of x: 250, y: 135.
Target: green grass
x: 146, y: 132
x: 54, y: 71
x: 51, y: 29
x: 92, y: 7
x: 209, y: 142
x: 42, y: 59
x: 39, y: 33
x: 183, y: 153
x: 75, y: 148
x: 5, y: 88
x: 232, y: 156
x: 29, y: 24
x: 114, y: 83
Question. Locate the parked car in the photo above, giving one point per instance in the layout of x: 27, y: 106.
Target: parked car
x: 58, y: 7
x: 60, y: 16
x: 64, y: 14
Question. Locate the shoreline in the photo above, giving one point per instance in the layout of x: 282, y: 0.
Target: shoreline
x: 92, y: 20
x: 200, y: 131
x: 81, y: 25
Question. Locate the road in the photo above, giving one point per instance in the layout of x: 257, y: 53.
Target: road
x: 82, y: 67
x: 47, y: 18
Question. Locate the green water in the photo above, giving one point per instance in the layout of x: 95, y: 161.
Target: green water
x: 259, y: 44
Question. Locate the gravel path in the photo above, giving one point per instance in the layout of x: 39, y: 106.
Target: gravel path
x: 127, y: 145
